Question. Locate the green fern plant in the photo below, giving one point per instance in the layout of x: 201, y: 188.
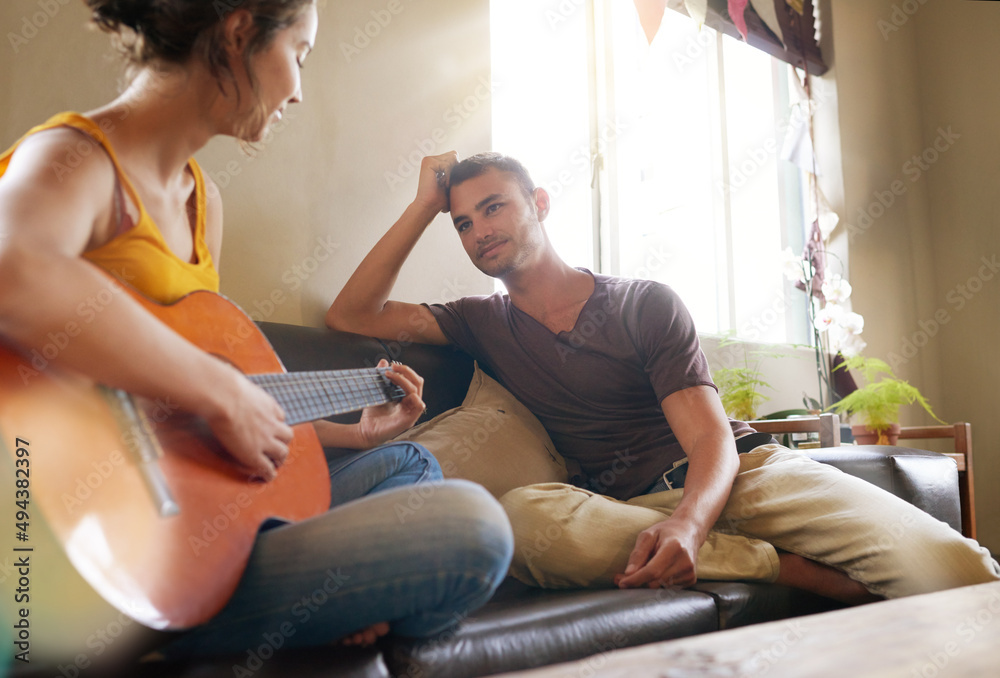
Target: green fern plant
x: 740, y: 387
x: 877, y: 403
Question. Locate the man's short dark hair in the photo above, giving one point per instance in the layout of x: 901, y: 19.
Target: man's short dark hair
x: 478, y: 164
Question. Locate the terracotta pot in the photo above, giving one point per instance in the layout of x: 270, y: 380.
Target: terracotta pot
x: 866, y: 436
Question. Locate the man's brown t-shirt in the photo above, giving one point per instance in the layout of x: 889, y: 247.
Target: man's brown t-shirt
x: 597, y: 388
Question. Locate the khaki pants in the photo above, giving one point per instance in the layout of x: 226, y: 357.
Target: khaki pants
x: 566, y: 537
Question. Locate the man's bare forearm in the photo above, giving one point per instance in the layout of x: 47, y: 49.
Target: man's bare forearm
x: 667, y: 552
x: 363, y: 305
x: 712, y: 468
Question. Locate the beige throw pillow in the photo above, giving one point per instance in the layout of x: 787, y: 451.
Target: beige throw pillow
x: 491, y: 439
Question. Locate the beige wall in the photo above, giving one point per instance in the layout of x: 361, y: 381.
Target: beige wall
x: 301, y: 215
x: 957, y: 53
x: 902, y: 79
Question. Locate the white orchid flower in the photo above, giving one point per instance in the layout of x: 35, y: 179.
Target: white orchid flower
x: 829, y: 316
x: 852, y: 344
x: 852, y: 323
x: 836, y: 289
x: 793, y: 265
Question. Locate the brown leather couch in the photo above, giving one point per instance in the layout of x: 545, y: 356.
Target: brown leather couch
x: 524, y: 627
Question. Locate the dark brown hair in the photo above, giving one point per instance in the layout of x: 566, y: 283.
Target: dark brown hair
x: 475, y: 165
x: 175, y: 31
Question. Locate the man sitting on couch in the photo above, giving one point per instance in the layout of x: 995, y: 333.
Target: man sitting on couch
x: 613, y: 368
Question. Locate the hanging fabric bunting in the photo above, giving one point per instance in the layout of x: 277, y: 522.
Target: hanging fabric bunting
x: 797, y: 147
x: 796, y: 5
x: 736, y: 10
x: 697, y: 10
x: 650, y: 16
x: 769, y: 15
x: 817, y: 22
x: 826, y: 217
x: 815, y: 253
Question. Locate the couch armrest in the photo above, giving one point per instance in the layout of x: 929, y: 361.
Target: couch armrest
x: 927, y: 480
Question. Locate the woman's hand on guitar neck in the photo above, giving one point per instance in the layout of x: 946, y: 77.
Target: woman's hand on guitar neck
x: 251, y: 426
x: 381, y: 423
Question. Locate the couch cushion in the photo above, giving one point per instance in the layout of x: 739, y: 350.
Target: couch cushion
x: 313, y: 662
x: 927, y: 480
x: 525, y: 627
x: 491, y: 439
x: 742, y: 603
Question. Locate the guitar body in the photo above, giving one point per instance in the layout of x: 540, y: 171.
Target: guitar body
x: 167, y: 572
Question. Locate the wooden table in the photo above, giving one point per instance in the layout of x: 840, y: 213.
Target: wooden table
x: 949, y: 634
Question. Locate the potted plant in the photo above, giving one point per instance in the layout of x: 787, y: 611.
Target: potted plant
x: 877, y: 403
x: 740, y: 387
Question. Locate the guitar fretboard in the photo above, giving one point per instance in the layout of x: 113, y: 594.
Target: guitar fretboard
x: 307, y: 396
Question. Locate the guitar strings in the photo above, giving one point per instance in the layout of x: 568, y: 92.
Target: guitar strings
x: 306, y: 396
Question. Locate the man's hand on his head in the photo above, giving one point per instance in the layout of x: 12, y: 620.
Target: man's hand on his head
x: 432, y: 186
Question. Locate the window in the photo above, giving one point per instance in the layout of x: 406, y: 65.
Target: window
x: 663, y: 158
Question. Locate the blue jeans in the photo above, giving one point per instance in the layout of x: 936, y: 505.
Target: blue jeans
x: 381, y: 468
x: 398, y: 545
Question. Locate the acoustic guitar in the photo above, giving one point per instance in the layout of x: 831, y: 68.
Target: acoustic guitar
x: 151, y: 510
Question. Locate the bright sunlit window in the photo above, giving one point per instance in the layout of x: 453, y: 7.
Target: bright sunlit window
x: 662, y: 159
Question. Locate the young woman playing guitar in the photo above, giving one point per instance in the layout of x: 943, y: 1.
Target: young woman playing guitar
x: 141, y: 210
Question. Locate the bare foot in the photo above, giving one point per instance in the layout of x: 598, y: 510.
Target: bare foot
x: 368, y: 636
x: 802, y: 573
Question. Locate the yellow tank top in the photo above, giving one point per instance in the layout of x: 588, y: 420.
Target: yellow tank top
x: 139, y: 256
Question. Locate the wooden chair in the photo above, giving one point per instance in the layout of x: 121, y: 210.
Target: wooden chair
x: 826, y: 425
x: 962, y: 435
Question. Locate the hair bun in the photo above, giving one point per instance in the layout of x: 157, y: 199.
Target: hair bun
x: 113, y: 14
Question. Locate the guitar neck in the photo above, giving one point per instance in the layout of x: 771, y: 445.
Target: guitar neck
x: 307, y: 396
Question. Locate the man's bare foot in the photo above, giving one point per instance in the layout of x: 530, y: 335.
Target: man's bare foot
x: 802, y: 573
x: 368, y: 636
